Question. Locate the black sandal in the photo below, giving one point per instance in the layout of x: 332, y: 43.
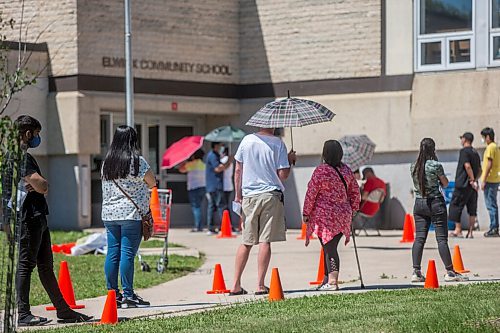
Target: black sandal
x: 262, y: 292
x: 238, y: 293
x: 31, y: 320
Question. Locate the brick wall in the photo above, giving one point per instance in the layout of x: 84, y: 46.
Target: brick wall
x: 309, y: 40
x: 185, y: 36
x: 50, y: 21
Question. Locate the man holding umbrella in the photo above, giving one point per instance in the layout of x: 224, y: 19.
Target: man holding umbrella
x: 262, y: 164
x: 214, y: 184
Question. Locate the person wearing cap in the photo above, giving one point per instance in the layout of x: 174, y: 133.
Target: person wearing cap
x: 466, y: 186
x: 490, y: 178
x: 372, y: 183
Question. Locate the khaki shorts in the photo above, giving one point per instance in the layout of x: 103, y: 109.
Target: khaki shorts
x: 263, y: 218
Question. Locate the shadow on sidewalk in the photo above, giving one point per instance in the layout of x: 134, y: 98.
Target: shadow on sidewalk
x: 183, y: 304
x: 358, y: 288
x: 391, y: 248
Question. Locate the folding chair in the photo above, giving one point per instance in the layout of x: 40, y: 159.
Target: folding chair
x: 375, y: 196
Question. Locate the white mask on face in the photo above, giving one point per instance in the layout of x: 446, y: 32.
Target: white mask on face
x: 482, y: 140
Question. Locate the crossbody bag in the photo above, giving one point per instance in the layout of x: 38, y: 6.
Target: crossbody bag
x: 146, y: 220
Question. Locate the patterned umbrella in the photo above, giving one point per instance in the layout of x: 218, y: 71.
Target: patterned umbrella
x: 225, y: 134
x: 290, y: 112
x: 358, y: 150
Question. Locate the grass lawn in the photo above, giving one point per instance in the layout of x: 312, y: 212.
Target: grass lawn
x: 87, y: 272
x: 466, y: 308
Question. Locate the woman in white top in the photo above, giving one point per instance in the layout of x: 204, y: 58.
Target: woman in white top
x: 195, y: 169
x: 124, y: 168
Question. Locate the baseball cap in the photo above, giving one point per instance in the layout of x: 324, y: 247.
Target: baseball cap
x: 468, y: 136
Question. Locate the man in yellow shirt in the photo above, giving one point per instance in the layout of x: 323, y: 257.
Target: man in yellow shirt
x: 490, y: 179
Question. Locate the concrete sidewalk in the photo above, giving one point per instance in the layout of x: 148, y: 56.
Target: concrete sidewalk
x: 385, y: 263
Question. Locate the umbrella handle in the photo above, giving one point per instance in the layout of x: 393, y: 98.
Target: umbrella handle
x: 291, y: 136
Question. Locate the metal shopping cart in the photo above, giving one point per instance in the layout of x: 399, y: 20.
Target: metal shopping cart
x: 161, y: 228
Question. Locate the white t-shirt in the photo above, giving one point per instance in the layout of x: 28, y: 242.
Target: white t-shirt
x: 227, y: 182
x: 116, y: 206
x: 262, y: 156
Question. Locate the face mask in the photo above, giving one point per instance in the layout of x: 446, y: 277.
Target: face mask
x: 482, y: 140
x: 222, y: 150
x: 34, y: 141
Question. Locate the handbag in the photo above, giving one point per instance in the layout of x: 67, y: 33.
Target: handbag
x: 146, y: 219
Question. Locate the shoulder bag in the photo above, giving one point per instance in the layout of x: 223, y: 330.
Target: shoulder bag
x: 146, y: 220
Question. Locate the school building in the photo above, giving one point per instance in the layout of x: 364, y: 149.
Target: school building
x: 395, y: 70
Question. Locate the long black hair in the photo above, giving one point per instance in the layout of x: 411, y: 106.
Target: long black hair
x: 427, y: 152
x: 333, y: 153
x: 123, y: 151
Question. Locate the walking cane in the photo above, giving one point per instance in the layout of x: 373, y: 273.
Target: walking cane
x: 357, y: 258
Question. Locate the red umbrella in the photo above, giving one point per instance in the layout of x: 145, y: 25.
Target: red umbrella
x: 181, y: 150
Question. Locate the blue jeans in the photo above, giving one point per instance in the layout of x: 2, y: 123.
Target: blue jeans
x: 215, y: 201
x: 490, y: 198
x: 124, y: 238
x: 195, y: 199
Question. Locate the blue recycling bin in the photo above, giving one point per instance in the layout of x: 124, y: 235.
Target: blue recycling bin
x: 448, y: 193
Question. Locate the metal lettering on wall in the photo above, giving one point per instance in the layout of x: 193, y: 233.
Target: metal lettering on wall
x: 168, y: 66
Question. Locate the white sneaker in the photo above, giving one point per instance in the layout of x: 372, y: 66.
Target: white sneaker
x: 328, y: 286
x: 452, y: 276
x: 210, y: 233
x: 417, y: 277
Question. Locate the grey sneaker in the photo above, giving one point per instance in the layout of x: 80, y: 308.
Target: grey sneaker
x: 417, y: 276
x: 452, y: 276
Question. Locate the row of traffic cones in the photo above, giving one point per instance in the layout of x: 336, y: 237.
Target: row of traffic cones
x: 275, y: 288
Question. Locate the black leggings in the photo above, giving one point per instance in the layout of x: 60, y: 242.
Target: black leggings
x: 331, y: 260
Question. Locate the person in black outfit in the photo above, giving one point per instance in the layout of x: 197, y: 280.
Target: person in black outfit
x: 466, y: 186
x: 35, y: 245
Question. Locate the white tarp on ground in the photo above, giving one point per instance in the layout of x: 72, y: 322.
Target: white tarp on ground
x: 92, y: 243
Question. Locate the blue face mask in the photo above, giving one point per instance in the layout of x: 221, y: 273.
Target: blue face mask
x: 34, y: 141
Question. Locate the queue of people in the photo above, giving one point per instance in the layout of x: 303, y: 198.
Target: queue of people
x: 261, y: 165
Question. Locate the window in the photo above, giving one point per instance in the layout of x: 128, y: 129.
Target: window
x: 445, y: 38
x: 495, y: 33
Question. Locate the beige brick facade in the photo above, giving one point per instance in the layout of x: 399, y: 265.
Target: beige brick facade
x: 185, y: 36
x: 309, y: 40
x: 47, y: 21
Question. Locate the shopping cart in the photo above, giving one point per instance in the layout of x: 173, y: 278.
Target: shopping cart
x: 161, y: 227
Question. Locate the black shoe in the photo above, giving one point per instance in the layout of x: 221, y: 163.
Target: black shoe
x: 134, y: 302
x: 31, y: 320
x: 492, y: 233
x: 71, y: 317
x: 119, y: 300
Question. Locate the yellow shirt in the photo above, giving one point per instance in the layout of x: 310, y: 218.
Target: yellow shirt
x: 492, y: 152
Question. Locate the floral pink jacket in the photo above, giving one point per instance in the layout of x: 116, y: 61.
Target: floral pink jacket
x: 329, y: 207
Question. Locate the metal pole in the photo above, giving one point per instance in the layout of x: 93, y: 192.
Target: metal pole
x: 129, y: 79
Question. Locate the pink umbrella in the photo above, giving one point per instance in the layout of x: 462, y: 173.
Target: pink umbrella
x: 181, y: 150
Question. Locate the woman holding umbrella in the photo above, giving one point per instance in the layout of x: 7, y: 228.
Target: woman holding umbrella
x: 332, y: 199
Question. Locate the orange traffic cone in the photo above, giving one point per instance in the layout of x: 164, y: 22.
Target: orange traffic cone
x: 66, y: 287
x: 218, y: 286
x: 321, y: 269
x: 408, y: 231
x: 275, y: 289
x: 226, y: 228
x: 303, y: 233
x: 154, y: 205
x: 431, y: 279
x: 110, y: 312
x: 458, y: 264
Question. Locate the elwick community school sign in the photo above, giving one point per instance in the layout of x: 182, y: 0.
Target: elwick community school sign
x: 168, y: 66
